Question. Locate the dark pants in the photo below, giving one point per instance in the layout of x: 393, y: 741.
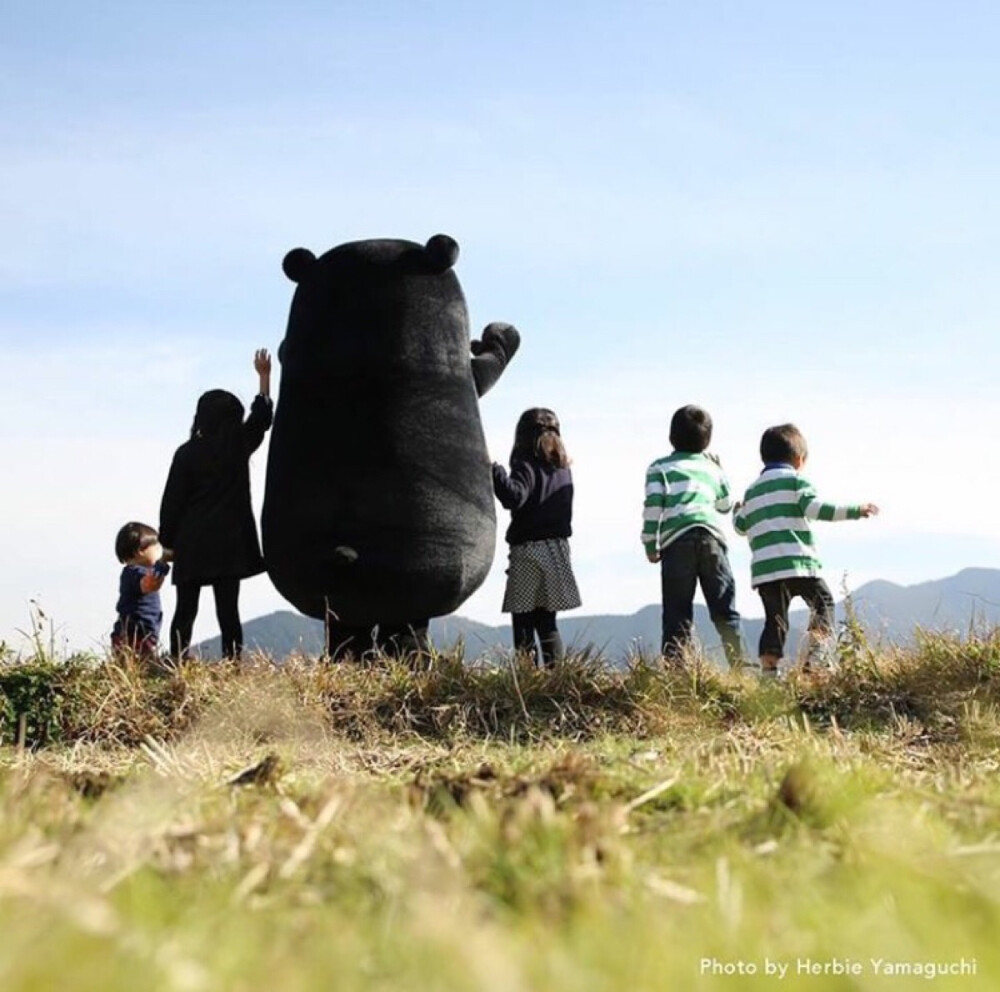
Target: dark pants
x: 776, y: 597
x: 134, y: 642
x: 227, y: 612
x: 394, y: 640
x: 698, y: 557
x: 542, y: 623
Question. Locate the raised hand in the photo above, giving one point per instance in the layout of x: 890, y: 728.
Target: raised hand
x: 491, y: 353
x: 262, y: 365
x: 497, y: 338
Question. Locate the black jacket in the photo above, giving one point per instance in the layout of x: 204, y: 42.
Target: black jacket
x: 205, y: 515
x: 540, y: 498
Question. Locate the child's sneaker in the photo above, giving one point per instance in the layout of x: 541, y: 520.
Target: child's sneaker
x: 820, y: 668
x: 821, y: 657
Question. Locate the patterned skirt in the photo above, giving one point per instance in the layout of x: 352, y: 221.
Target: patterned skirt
x: 540, y: 577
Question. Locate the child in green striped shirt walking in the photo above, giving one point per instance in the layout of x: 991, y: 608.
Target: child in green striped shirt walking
x: 686, y: 495
x: 775, y: 515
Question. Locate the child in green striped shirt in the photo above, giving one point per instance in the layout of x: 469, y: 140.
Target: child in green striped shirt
x: 686, y: 495
x: 775, y: 515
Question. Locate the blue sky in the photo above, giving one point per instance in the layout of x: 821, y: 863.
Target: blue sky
x: 781, y: 211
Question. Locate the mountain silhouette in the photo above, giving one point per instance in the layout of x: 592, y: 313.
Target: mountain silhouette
x: 889, y: 613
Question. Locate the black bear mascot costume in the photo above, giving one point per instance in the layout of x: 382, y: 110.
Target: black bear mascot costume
x: 378, y: 509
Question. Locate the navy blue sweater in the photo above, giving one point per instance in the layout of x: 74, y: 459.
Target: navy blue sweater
x: 139, y: 612
x: 540, y: 498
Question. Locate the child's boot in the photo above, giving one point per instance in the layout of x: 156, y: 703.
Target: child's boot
x: 769, y: 670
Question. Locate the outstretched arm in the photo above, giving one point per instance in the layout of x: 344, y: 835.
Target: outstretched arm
x: 814, y: 508
x: 262, y: 366
x: 492, y: 352
x: 261, y: 410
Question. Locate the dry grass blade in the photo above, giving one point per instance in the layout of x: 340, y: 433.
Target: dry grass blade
x: 672, y: 890
x: 161, y: 757
x: 652, y: 793
x: 264, y: 772
x: 305, y: 847
x: 251, y: 881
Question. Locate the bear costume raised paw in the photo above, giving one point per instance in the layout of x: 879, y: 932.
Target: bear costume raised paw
x: 378, y: 507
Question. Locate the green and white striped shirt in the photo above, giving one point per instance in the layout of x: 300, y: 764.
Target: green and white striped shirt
x: 775, y: 516
x: 683, y: 491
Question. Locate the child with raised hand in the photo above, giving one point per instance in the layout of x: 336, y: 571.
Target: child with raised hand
x: 206, y: 516
x: 140, y: 614
x: 687, y: 494
x: 776, y: 515
x: 538, y: 491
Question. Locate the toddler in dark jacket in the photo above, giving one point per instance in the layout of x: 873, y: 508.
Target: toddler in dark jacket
x: 140, y: 613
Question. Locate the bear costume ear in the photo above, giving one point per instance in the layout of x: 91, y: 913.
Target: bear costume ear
x: 441, y: 253
x: 297, y: 263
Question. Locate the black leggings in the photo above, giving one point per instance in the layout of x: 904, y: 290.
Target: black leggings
x: 542, y: 622
x: 227, y: 612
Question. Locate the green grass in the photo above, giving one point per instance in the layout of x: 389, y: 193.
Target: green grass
x: 469, y: 828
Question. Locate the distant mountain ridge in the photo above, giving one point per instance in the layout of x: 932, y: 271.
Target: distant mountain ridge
x: 889, y: 612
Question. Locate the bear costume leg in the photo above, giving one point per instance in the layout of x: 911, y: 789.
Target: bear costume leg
x: 393, y: 640
x: 401, y: 640
x: 346, y: 642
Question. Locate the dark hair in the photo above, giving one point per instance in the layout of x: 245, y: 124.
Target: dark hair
x: 691, y: 429
x: 537, y: 436
x: 133, y: 538
x: 218, y: 413
x: 782, y: 444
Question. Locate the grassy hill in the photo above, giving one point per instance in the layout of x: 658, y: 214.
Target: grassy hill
x: 313, y: 826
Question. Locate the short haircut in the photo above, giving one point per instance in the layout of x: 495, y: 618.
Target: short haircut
x: 133, y: 538
x: 783, y: 444
x: 691, y: 429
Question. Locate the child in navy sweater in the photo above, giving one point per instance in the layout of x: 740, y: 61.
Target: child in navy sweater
x: 539, y: 493
x: 140, y: 613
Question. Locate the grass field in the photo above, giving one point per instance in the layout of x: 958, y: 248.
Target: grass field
x: 321, y: 827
